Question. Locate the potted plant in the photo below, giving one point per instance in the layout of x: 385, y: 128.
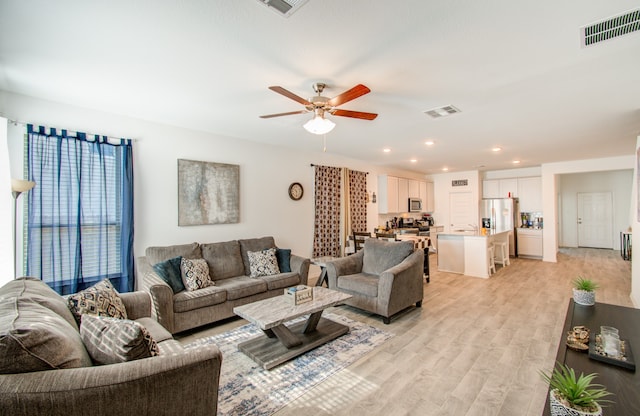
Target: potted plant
x: 584, y: 291
x: 574, y: 396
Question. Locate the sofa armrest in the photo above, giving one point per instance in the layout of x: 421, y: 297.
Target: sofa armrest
x: 301, y: 266
x: 344, y: 266
x: 157, y: 385
x: 401, y: 282
x: 161, y: 294
x: 137, y: 304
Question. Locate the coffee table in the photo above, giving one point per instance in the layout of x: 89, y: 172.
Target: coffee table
x: 280, y: 342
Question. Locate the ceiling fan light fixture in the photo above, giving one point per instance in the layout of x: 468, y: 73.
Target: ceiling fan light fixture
x: 319, y: 125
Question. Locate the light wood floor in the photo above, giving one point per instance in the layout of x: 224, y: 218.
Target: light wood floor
x: 474, y: 348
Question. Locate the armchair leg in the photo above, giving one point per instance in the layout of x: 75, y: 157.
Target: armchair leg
x: 419, y: 304
x: 386, y: 320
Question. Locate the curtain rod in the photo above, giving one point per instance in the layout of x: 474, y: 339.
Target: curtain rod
x: 312, y: 165
x: 24, y: 124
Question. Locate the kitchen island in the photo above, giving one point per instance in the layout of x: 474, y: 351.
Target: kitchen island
x: 467, y: 253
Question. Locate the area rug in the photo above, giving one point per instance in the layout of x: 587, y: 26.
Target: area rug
x: 247, y: 389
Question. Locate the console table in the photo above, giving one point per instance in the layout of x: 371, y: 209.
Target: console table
x: 623, y: 383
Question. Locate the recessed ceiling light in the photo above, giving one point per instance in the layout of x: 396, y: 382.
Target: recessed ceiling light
x: 496, y: 149
x: 445, y: 169
x: 429, y: 142
x: 386, y: 150
x: 515, y: 162
x: 413, y: 160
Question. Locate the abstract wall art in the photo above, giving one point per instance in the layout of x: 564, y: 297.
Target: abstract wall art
x: 208, y: 193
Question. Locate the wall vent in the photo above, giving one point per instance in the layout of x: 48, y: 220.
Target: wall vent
x: 447, y: 110
x: 283, y: 7
x: 610, y: 28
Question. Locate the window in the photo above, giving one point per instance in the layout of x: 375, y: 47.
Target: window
x: 80, y: 221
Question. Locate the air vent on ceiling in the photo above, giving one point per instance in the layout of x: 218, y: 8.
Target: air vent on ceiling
x: 610, y: 28
x: 284, y: 7
x: 447, y: 110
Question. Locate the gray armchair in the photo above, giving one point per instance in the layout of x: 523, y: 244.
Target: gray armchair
x: 384, y: 277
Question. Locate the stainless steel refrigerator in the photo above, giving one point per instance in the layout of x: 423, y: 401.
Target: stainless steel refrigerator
x: 503, y: 214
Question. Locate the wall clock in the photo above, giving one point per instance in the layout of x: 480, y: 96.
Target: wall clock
x: 295, y: 191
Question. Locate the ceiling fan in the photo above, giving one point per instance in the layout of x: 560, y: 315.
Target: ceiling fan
x: 320, y: 105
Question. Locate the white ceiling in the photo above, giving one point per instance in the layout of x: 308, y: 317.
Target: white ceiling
x: 516, y: 69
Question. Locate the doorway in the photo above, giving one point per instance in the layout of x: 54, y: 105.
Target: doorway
x: 595, y: 219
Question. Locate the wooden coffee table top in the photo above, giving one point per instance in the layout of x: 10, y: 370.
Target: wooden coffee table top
x: 275, y: 311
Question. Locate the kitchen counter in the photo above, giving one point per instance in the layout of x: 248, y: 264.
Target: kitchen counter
x: 467, y: 252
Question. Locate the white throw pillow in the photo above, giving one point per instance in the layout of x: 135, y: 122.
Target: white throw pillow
x: 263, y: 263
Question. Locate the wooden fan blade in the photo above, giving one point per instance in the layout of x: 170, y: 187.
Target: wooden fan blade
x: 284, y: 114
x: 289, y: 94
x: 354, y: 114
x: 355, y: 92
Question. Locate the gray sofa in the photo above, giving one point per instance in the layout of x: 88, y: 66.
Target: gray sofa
x: 384, y: 277
x: 229, y: 269
x: 46, y: 370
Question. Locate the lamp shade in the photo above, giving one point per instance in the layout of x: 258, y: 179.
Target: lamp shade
x: 21, y: 185
x: 319, y: 125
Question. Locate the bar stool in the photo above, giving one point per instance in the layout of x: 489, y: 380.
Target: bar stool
x: 492, y: 263
x: 501, y: 253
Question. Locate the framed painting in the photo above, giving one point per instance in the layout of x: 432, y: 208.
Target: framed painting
x: 208, y: 193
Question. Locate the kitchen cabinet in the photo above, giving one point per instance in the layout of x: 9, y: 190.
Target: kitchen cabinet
x: 500, y: 188
x: 387, y: 194
x: 403, y: 195
x: 414, y: 188
x: 529, y: 242
x: 530, y: 194
x: 426, y: 195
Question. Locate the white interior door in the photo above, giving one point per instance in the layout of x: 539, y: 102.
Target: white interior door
x: 462, y: 215
x: 595, y: 220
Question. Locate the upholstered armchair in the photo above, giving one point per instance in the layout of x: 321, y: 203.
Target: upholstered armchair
x: 384, y: 277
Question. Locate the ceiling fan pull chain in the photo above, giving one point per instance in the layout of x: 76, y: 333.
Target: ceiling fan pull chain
x: 324, y: 143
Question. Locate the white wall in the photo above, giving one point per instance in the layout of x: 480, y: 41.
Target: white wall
x: 635, y: 224
x: 6, y: 201
x: 617, y: 182
x: 442, y: 188
x: 551, y: 190
x: 265, y: 175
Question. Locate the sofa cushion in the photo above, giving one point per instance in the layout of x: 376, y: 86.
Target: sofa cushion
x: 101, y: 299
x: 35, y: 338
x: 263, y: 263
x: 224, y: 259
x: 282, y: 280
x: 41, y: 293
x: 362, y: 283
x: 254, y: 244
x: 284, y: 259
x: 241, y: 287
x: 170, y: 271
x: 195, y: 274
x: 170, y: 347
x: 113, y: 341
x: 188, y: 251
x: 190, y: 300
x: 380, y: 255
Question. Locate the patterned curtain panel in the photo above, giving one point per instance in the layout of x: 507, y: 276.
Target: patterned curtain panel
x: 326, y: 240
x: 358, y: 201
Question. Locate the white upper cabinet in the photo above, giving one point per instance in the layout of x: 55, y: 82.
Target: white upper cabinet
x: 500, y: 188
x: 530, y: 194
x: 414, y: 188
x: 387, y: 194
x: 491, y: 188
x: 403, y: 195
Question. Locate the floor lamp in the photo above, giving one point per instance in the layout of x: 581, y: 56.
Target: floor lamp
x: 18, y: 186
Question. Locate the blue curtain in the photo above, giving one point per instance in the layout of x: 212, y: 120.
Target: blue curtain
x: 80, y: 221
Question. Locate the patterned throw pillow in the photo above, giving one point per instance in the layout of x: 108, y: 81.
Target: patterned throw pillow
x: 263, y: 263
x: 101, y: 299
x: 195, y: 274
x: 112, y: 341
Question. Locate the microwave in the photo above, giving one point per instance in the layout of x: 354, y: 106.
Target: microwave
x: 415, y: 205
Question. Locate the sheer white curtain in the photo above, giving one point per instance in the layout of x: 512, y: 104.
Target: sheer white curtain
x: 6, y: 201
